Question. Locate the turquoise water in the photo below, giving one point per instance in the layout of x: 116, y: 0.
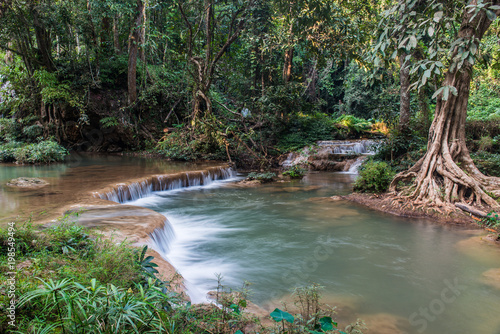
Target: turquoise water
x: 400, y: 275
x: 282, y: 235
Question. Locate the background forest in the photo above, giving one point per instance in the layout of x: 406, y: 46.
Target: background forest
x: 245, y: 81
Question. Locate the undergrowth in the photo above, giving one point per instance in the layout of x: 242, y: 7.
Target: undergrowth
x: 71, y: 280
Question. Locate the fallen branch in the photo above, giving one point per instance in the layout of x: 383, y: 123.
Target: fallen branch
x: 471, y: 210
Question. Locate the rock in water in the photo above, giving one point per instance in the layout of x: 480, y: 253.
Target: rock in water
x: 27, y: 182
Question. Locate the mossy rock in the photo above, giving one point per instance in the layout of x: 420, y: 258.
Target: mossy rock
x: 27, y: 182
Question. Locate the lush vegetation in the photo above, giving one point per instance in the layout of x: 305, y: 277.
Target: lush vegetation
x: 374, y: 176
x: 24, y: 144
x: 72, y: 280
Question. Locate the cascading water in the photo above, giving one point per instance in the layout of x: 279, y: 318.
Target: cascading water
x: 162, y: 237
x: 122, y: 193
x: 367, y: 147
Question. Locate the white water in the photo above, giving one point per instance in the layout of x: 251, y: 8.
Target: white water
x: 136, y: 190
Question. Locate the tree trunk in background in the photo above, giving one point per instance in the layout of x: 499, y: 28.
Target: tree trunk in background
x: 287, y: 68
x: 43, y: 41
x: 9, y: 57
x: 134, y: 41
x: 116, y: 35
x: 106, y: 35
x: 446, y: 174
x: 142, y: 54
x: 404, y: 95
x: 423, y: 104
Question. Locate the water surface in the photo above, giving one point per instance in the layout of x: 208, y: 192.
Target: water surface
x: 283, y: 235
x: 74, y: 181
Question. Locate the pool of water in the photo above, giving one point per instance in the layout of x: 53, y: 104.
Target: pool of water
x: 419, y: 276
x: 73, y: 181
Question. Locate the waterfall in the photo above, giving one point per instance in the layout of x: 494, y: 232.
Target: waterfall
x: 163, y: 237
x: 367, y: 147
x: 353, y: 169
x: 132, y: 191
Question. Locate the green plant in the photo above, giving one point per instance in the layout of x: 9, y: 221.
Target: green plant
x: 295, y: 172
x: 487, y: 163
x: 374, y: 176
x: 492, y: 220
x: 147, y: 267
x: 282, y: 316
x: 46, y: 151
x: 108, y: 122
x: 262, y: 177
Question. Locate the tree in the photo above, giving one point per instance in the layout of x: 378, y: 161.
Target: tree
x: 217, y: 20
x: 134, y: 41
x: 446, y: 173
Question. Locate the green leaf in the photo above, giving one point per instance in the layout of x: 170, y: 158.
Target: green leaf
x: 279, y: 315
x: 491, y: 15
x: 446, y: 93
x: 473, y: 48
x: 238, y: 332
x: 430, y: 31
x: 438, y: 16
x: 327, y: 324
x: 413, y: 42
x: 495, y: 7
x: 437, y: 92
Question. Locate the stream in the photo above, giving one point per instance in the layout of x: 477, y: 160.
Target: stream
x: 399, y: 275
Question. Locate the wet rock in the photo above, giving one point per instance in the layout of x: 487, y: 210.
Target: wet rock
x: 27, y: 182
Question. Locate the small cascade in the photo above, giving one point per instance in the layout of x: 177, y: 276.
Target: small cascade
x: 132, y: 191
x: 353, y: 169
x: 289, y: 160
x: 163, y: 237
x: 366, y: 147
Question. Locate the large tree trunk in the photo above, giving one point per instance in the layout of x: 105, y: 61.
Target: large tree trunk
x: 134, y: 41
x: 447, y: 174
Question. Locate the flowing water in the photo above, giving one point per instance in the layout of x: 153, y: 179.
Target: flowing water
x: 372, y: 265
x: 400, y: 275
x: 74, y: 180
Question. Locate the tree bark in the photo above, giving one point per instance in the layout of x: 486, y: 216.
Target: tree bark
x: 134, y: 41
x: 287, y: 68
x: 43, y: 41
x: 446, y: 174
x: 116, y: 35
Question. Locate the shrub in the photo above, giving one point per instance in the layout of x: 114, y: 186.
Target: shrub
x: 46, y: 151
x: 374, y: 176
x: 9, y: 129
x: 487, y: 163
x: 262, y: 177
x: 8, y: 150
x: 295, y: 172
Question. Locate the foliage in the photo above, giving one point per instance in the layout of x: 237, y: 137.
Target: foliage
x: 262, y: 177
x: 374, y: 176
x: 484, y: 103
x: 46, y: 151
x: 295, y: 172
x: 312, y: 317
x: 352, y: 125
x: 491, y: 220
x: 487, y: 163
x: 402, y: 149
